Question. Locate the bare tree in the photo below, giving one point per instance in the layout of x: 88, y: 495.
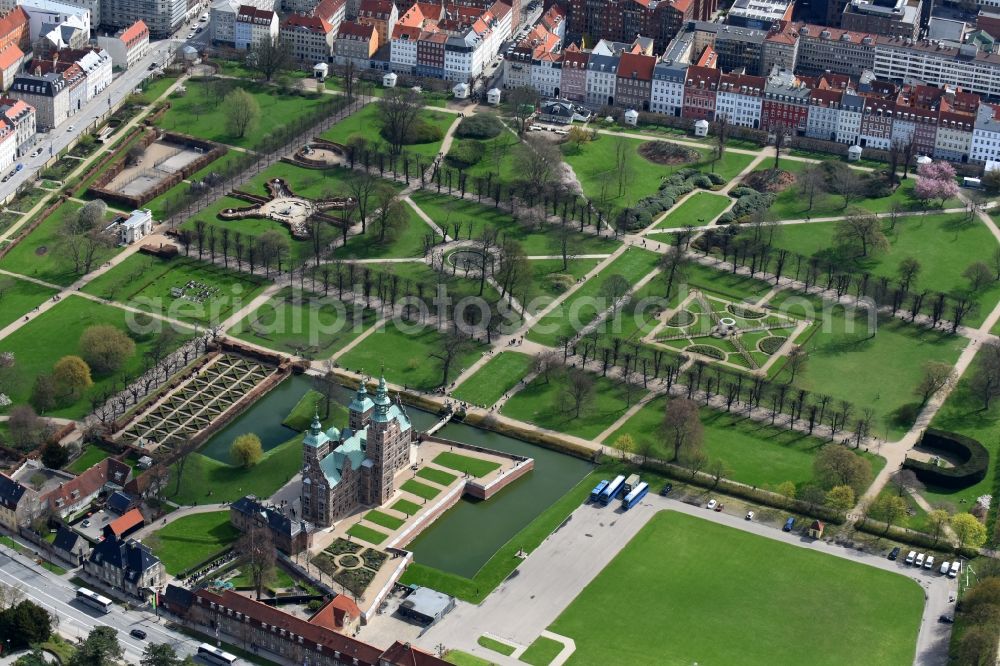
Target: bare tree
x: 682, y: 426
x: 905, y: 481
x: 781, y: 133
x: 269, y: 57
x: 811, y: 182
x: 722, y: 128
x: 845, y: 182
x: 936, y: 377
x: 399, y: 110
x: 578, y: 391
x: 985, y: 380
x: 862, y: 231
x: 257, y: 548
x: 451, y: 348
x: 522, y: 102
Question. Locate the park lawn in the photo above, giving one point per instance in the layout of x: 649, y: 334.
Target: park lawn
x: 307, y: 183
x: 405, y: 506
x: 417, y: 279
x: 459, y: 658
x: 91, y: 455
x: 499, y: 158
x: 197, y: 113
x: 191, y: 540
x: 963, y: 413
x: 366, y: 123
x: 153, y: 88
x: 419, y: 489
x: 55, y: 333
x: 499, y: 375
x: 541, y: 652
x: 18, y: 297
x: 496, y: 646
x: 539, y: 403
x: 446, y: 211
x: 945, y: 245
x: 37, y: 255
x: 384, y: 519
x: 551, y: 278
x: 754, y: 453
x: 304, y: 323
x: 145, y: 281
x: 206, y: 480
x: 592, y: 161
x: 476, y: 467
x: 309, y: 405
x: 405, y: 241
x: 747, y: 594
x: 407, y: 356
x: 587, y: 302
x: 879, y: 372
x: 437, y: 476
x: 726, y: 283
x: 699, y: 209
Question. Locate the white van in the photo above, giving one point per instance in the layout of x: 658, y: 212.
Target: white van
x: 911, y: 556
x: 929, y: 562
x: 955, y: 567
x: 920, y: 560
x: 944, y: 568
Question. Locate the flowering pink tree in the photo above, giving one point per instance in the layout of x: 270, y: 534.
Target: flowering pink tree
x: 936, y: 181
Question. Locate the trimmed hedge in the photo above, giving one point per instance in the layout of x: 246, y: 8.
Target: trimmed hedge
x: 479, y: 126
x: 975, y: 460
x: 748, y: 201
x: 903, y: 535
x: 671, y: 189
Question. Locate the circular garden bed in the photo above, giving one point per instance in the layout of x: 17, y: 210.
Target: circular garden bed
x: 772, y: 344
x: 682, y: 318
x: 349, y: 561
x: 707, y: 350
x: 745, y: 313
x: 662, y: 152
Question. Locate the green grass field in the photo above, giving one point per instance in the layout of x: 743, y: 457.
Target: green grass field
x: 446, y: 211
x: 755, y: 453
x: 754, y: 601
x: 302, y: 414
x: 542, y: 404
x: 499, y: 375
x: 584, y: 305
x: 699, y: 209
x: 475, y: 466
x: 366, y: 123
x: 206, y: 480
x: 18, y: 297
x: 406, y: 241
x: 367, y: 534
x: 459, y: 658
x: 303, y: 323
x: 419, y: 489
x: 384, y: 519
x: 406, y: 357
x: 147, y: 282
x: 405, y: 506
x: 91, y: 455
x: 945, y: 245
x: 542, y: 651
x: 437, y: 476
x: 879, y: 372
x: 39, y: 254
x: 198, y: 112
x: 189, y: 541
x: 496, y: 646
x: 44, y: 340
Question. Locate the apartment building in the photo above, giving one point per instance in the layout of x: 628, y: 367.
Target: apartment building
x: 47, y: 93
x: 162, y: 17
x: 895, y: 18
x: 985, y: 144
x: 760, y: 14
x: 739, y: 99
x: 380, y: 14
x: 573, y: 74
x: 634, y: 82
x: 822, y: 49
x: 14, y: 29
x: 308, y: 38
x: 736, y: 47
x: 20, y: 116
x: 780, y: 50
x: 355, y: 43
x: 701, y: 86
x: 128, y: 46
x: 786, y: 102
x: 254, y: 26
x: 601, y: 75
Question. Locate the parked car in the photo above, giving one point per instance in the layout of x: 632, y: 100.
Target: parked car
x: 894, y: 553
x: 789, y: 524
x: 70, y: 128
x: 719, y: 507
x: 712, y: 504
x: 36, y: 152
x: 666, y: 489
x: 919, y: 562
x: 929, y: 562
x: 18, y: 167
x: 912, y: 555
x: 86, y: 523
x: 946, y: 619
x: 137, y: 633
x: 956, y: 566
x: 749, y: 515
x: 945, y: 566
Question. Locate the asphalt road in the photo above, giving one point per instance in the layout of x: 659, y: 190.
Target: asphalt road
x: 58, y: 596
x: 58, y: 138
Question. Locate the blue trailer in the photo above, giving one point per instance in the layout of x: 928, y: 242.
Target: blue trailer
x: 612, y: 490
x: 633, y: 497
x: 595, y: 494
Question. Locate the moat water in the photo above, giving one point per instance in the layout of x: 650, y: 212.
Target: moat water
x: 463, y: 539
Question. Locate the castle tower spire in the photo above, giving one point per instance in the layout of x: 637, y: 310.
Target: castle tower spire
x: 382, y: 401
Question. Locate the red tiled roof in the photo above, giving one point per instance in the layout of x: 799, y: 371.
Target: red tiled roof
x: 310, y: 23
x: 681, y: 5
x: 330, y: 640
x: 708, y: 58
x: 10, y: 57
x: 375, y: 8
x: 404, y: 654
x: 124, y: 523
x: 337, y: 613
x: 90, y: 482
x: 635, y: 64
x: 13, y: 20
x: 355, y: 30
x: 327, y: 9
x: 133, y: 31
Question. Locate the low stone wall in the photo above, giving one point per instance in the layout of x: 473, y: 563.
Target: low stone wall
x: 405, y: 558
x: 414, y: 529
x: 484, y: 491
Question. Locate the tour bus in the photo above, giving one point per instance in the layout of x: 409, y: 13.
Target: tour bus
x: 596, y: 492
x: 94, y: 600
x: 612, y: 490
x: 633, y: 497
x: 213, y: 655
